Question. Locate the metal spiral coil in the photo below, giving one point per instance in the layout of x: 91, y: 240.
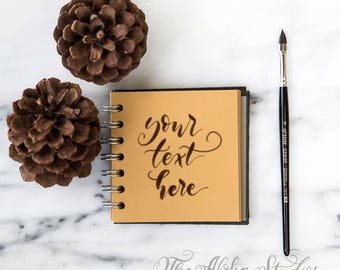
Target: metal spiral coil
x: 113, y: 108
x: 115, y: 205
x: 117, y: 173
x: 110, y: 157
x: 112, y: 124
x: 112, y: 141
x: 113, y: 189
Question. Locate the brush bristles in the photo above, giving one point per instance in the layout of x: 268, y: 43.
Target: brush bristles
x: 283, y: 39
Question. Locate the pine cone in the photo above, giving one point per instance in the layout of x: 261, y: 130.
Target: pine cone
x: 101, y: 40
x: 54, y: 132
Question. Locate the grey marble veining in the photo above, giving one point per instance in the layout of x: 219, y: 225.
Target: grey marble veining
x: 191, y: 44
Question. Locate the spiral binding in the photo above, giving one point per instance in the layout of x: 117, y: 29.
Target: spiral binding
x: 112, y: 157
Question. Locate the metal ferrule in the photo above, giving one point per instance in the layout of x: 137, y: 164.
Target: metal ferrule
x: 283, y: 72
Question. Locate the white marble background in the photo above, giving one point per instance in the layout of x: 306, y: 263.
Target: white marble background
x: 191, y: 43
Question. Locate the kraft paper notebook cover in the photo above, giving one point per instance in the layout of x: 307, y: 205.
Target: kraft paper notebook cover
x: 179, y: 156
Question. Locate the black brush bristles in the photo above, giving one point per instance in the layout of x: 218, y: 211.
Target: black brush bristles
x: 283, y: 39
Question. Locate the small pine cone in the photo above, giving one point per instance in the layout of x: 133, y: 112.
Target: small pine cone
x: 54, y: 132
x: 101, y: 41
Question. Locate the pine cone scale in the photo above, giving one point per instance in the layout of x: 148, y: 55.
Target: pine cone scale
x: 85, y: 169
x: 29, y: 104
x: 26, y: 174
x: 79, y: 27
x: 80, y: 154
x: 64, y: 19
x: 126, y: 18
x: 69, y: 35
x: 109, y: 45
x: 30, y: 93
x: 13, y: 153
x: 65, y: 127
x: 83, y: 13
x: 37, y: 136
x: 44, y: 157
x: 107, y: 13
x: 17, y: 138
x: 95, y: 68
x: 63, y: 46
x: 77, y: 63
x: 21, y: 123
x: 17, y: 110
x: 59, y: 165
x: 81, y: 133
x: 55, y: 140
x: 78, y: 50
x: 67, y: 150
x: 95, y: 54
x: 42, y: 124
x: 35, y: 147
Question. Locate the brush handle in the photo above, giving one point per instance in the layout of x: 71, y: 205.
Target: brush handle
x: 284, y: 150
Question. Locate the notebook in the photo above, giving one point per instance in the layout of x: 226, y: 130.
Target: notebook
x: 178, y: 156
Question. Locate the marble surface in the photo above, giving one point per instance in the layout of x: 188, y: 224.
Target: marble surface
x: 191, y: 43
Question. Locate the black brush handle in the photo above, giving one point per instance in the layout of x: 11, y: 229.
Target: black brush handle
x: 284, y: 149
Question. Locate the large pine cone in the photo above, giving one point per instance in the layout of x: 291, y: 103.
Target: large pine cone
x: 54, y: 132
x: 101, y: 40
